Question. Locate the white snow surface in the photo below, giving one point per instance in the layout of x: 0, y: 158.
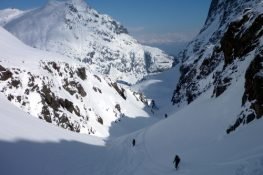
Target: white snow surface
x: 6, y: 15
x: 160, y: 87
x: 100, y: 99
x: 196, y: 133
x: 72, y: 28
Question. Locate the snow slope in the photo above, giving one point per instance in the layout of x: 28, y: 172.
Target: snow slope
x: 196, y: 133
x: 159, y: 87
x: 64, y: 92
x: 72, y: 28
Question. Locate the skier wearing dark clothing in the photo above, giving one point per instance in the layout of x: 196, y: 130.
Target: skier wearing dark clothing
x: 176, y: 161
x: 153, y: 104
x: 133, y: 142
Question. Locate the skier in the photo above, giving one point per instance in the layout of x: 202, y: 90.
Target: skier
x: 133, y: 142
x: 165, y: 115
x: 176, y: 161
x: 153, y: 104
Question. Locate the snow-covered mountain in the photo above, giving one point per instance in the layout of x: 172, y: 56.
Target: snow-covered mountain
x: 228, y: 48
x: 63, y: 91
x: 219, y: 89
x: 8, y: 15
x: 72, y: 28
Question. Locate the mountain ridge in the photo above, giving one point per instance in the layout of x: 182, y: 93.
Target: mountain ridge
x: 65, y: 92
x: 74, y: 29
x: 231, y: 35
x: 215, y: 129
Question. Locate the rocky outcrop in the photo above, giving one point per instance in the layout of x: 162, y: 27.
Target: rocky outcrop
x: 4, y: 74
x: 67, y: 96
x: 216, y: 58
x: 252, y: 100
x: 141, y: 97
x: 254, y: 85
x: 232, y: 30
x: 73, y: 87
x: 120, y: 90
x: 240, y: 39
x: 81, y: 72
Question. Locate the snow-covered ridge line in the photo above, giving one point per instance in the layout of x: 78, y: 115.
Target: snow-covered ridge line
x: 9, y: 14
x: 79, y: 32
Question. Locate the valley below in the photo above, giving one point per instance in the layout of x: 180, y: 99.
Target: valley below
x: 79, y: 95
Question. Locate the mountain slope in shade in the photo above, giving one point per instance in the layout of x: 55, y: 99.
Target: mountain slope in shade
x: 231, y: 35
x: 64, y: 92
x: 72, y: 28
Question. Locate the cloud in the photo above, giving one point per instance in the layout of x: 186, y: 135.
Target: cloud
x: 164, y: 38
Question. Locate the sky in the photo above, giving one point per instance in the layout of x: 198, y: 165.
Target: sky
x: 153, y: 22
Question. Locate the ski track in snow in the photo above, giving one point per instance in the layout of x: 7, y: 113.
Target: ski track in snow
x: 31, y: 146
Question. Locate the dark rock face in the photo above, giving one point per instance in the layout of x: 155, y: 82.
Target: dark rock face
x: 97, y: 89
x: 233, y: 127
x: 238, y: 41
x: 254, y: 81
x: 55, y: 103
x: 73, y: 87
x: 118, y: 107
x: 2, y: 68
x: 52, y: 107
x: 100, y: 120
x: 140, y: 97
x: 46, y: 114
x: 81, y: 90
x: 209, y: 64
x: 119, y: 29
x: 229, y: 42
x: 253, y: 95
x: 15, y: 83
x: 81, y: 72
x: 10, y: 97
x: 188, y: 86
x: 186, y: 83
x: 254, y: 85
x: 49, y: 98
x: 4, y: 74
x: 224, y: 9
x: 221, y: 85
x: 97, y: 77
x: 216, y: 58
x: 120, y: 90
